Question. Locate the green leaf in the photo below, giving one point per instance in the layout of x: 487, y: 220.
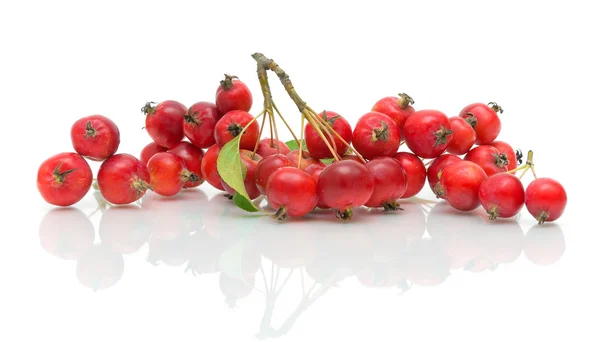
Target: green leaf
x: 244, y: 203
x: 294, y: 146
x: 233, y: 171
x: 327, y: 161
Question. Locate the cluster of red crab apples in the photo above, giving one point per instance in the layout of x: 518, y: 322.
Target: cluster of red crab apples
x: 335, y: 168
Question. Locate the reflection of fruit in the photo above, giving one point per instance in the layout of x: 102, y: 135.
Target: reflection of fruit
x: 340, y: 252
x: 458, y: 234
x: 124, y: 229
x: 66, y: 233
x: 380, y: 275
x: 544, y: 246
x: 235, y: 289
x: 428, y: 264
x: 202, y: 252
x: 168, y: 252
x: 389, y: 237
x: 100, y: 268
x: 171, y: 217
x: 504, y: 241
x: 288, y: 248
x: 482, y: 263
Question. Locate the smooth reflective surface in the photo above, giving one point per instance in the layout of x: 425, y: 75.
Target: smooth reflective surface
x: 282, y: 271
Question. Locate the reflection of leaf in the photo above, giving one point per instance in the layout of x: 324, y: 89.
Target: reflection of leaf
x: 233, y: 171
x: 244, y: 203
x: 293, y: 145
x: 230, y: 261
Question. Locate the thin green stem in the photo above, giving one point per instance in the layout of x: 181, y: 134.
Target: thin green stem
x: 286, y: 124
x: 262, y: 126
x: 340, y: 137
x: 313, y: 123
x: 301, y: 138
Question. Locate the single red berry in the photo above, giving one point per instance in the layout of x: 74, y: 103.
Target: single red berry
x: 459, y: 185
x: 292, y: 192
x: 164, y: 122
x: 376, y: 135
x: 305, y: 161
x: 233, y: 94
x: 317, y: 147
x: 123, y: 179
x: 502, y: 195
x: 505, y: 148
x: 192, y: 158
x: 268, y: 146
x: 397, y: 108
x: 427, y: 133
x: 265, y: 169
x: 168, y: 174
x: 415, y: 173
x: 463, y: 136
x: 95, y: 137
x: 64, y: 179
x: 545, y: 199
x: 314, y: 170
x: 208, y: 167
x: 232, y: 124
x: 489, y: 158
x: 390, y: 183
x: 345, y: 185
x: 438, y: 166
x: 251, y: 164
x: 484, y: 119
x: 199, y: 124
x: 149, y: 150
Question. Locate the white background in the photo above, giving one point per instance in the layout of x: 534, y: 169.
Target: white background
x: 63, y: 60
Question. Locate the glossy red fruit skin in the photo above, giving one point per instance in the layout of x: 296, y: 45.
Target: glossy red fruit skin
x: 249, y: 183
x: 149, y: 150
x: 265, y: 169
x: 95, y: 137
x: 415, y: 173
x: 166, y: 173
x: 314, y: 171
x: 463, y: 136
x: 389, y: 179
x: 306, y: 160
x: 505, y: 148
x: 123, y: 179
x: 488, y: 123
x: 397, y: 108
x: 502, y: 195
x: 489, y: 158
x: 366, y: 131
x: 345, y: 184
x: 60, y: 187
x: 317, y: 147
x: 427, y: 133
x: 233, y: 94
x: 459, y: 185
x: 293, y: 189
x: 199, y: 124
x: 352, y: 157
x: 208, y: 167
x: 192, y: 158
x: 438, y: 165
x: 545, y: 199
x: 164, y: 122
x: 230, y: 126
x: 265, y: 148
